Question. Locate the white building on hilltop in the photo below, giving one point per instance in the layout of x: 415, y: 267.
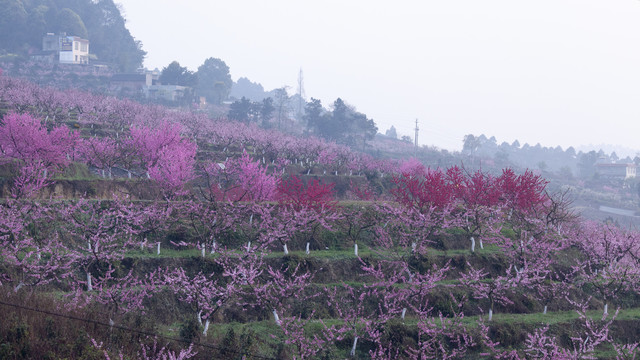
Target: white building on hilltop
x: 67, y: 49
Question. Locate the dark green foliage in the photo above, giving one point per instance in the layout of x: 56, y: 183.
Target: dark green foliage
x: 247, y: 339
x: 313, y: 111
x: 13, y: 16
x: 71, y: 23
x: 422, y: 263
x: 586, y: 164
x: 391, y: 132
x: 214, y: 80
x: 344, y: 124
x: 190, y: 330
x: 246, y: 88
x: 174, y: 74
x: 229, y: 345
x: 30, y: 335
x: 15, y: 342
x: 446, y: 301
x: 242, y: 110
x: 266, y: 110
x: 509, y: 334
x: 24, y: 23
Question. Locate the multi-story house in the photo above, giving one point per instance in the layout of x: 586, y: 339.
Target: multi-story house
x: 67, y: 49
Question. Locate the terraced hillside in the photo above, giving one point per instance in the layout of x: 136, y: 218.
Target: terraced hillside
x: 148, y: 233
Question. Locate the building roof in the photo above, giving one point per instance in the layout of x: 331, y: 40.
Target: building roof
x: 129, y: 77
x: 616, y: 165
x: 78, y: 38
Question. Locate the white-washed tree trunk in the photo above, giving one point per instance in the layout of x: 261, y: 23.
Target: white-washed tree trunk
x: 249, y: 246
x: 307, y: 250
x: 276, y: 317
x: 158, y: 250
x: 606, y: 310
x: 355, y: 249
x: 410, y: 275
x: 473, y: 244
x: 404, y: 312
x: 545, y: 310
x: 286, y: 251
x: 200, y: 317
x: 490, y: 314
x: 480, y: 243
x: 206, y: 327
x: 89, y: 284
x: 353, y: 348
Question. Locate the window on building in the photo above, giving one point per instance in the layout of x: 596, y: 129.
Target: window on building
x: 83, y: 47
x: 76, y: 45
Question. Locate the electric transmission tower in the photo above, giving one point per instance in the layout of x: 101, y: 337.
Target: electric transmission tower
x: 301, y: 94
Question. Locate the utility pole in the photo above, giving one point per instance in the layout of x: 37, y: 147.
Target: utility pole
x: 416, y: 141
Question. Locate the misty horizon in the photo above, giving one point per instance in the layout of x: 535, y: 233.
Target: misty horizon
x: 551, y: 72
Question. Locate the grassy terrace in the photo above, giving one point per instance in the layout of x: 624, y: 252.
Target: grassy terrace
x: 510, y: 327
x: 333, y: 254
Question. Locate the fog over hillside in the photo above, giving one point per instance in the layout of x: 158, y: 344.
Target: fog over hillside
x: 557, y: 72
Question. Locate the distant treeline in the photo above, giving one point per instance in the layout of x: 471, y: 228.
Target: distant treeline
x: 567, y: 162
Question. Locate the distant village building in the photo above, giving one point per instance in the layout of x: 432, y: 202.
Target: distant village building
x: 63, y: 49
x: 165, y: 92
x: 617, y: 171
x: 145, y: 84
x: 130, y: 84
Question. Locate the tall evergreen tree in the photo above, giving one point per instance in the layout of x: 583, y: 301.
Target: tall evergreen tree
x: 214, y: 80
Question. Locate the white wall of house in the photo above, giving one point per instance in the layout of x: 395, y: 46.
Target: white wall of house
x: 66, y: 57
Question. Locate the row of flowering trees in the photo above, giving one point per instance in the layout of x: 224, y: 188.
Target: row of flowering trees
x: 162, y: 154
x: 79, y: 246
x: 110, y: 117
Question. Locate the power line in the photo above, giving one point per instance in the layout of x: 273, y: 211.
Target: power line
x: 141, y: 332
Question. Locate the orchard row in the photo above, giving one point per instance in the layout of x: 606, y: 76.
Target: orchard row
x: 81, y: 248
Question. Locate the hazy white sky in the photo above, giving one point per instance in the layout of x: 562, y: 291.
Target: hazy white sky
x: 558, y: 72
